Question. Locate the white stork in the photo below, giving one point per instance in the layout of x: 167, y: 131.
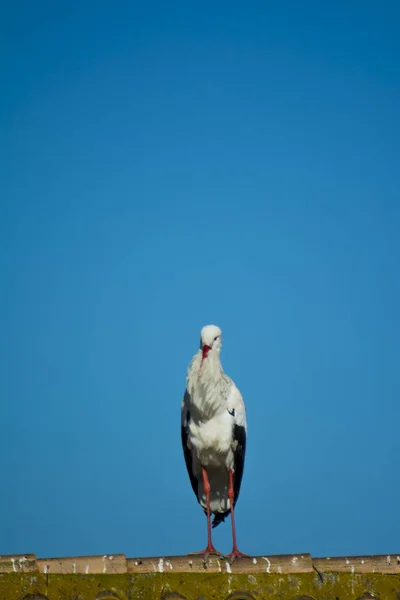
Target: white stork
x: 213, y: 434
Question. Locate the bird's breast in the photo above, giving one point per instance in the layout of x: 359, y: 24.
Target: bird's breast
x: 214, y: 435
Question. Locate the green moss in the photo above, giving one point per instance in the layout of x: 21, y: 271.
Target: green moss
x: 194, y: 586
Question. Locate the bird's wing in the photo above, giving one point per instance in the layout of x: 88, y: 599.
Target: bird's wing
x: 185, y: 418
x: 237, y: 409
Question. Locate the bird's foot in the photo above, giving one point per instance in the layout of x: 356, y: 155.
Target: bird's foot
x: 236, y: 554
x: 207, y: 551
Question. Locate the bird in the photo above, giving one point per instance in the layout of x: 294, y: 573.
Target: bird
x: 214, y: 432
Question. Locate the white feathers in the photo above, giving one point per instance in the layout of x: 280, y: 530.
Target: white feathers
x: 211, y: 440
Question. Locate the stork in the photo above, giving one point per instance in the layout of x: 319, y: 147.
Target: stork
x: 213, y: 427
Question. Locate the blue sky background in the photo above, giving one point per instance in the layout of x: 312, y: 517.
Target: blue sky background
x: 165, y: 165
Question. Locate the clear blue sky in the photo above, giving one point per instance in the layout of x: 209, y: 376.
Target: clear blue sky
x: 165, y: 165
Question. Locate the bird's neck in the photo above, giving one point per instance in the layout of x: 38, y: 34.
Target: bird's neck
x: 205, y: 381
x: 207, y: 368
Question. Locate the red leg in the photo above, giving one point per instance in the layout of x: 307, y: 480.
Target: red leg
x: 206, y: 484
x: 231, y: 495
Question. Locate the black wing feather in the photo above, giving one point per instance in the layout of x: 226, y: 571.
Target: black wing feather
x: 239, y: 434
x: 188, y: 455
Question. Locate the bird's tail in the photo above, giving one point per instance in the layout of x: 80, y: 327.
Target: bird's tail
x: 219, y: 518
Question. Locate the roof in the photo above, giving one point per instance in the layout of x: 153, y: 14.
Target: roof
x: 189, y: 577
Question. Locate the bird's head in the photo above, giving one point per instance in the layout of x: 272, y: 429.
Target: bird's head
x: 210, y: 339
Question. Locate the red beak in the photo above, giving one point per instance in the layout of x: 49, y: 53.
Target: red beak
x: 206, y: 350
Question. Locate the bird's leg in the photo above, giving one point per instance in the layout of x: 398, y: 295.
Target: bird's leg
x: 206, y: 485
x: 207, y: 489
x: 231, y: 495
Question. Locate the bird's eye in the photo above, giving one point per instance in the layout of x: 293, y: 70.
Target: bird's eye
x: 215, y: 339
